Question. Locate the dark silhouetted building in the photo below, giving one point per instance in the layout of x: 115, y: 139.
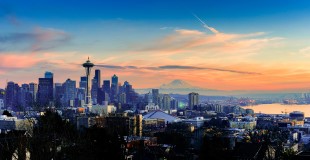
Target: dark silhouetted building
x: 98, y: 77
x: 69, y: 92
x: 106, y: 86
x: 123, y: 124
x: 33, y: 89
x: 45, y: 89
x: 59, y: 95
x: 83, y: 82
x: 114, y: 88
x: 11, y: 95
x: 25, y: 97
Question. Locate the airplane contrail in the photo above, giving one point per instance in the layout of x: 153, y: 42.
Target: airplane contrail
x: 213, y: 30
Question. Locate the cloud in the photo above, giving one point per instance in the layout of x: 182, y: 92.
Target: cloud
x: 179, y: 67
x: 176, y: 67
x: 305, y: 51
x: 11, y: 61
x: 17, y: 37
x: 196, y: 42
x: 111, y: 66
x: 37, y: 40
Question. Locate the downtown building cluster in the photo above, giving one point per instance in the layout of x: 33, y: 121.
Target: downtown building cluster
x: 46, y: 93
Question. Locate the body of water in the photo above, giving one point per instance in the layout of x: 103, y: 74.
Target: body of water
x: 278, y: 108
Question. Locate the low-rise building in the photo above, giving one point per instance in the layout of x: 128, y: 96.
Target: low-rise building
x: 124, y: 124
x: 197, y: 122
x: 12, y: 123
x: 243, y: 122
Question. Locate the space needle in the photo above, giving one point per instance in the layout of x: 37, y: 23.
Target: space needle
x: 88, y: 65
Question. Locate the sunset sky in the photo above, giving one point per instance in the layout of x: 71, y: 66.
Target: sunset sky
x: 223, y: 44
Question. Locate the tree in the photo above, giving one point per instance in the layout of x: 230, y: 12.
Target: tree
x: 7, y: 113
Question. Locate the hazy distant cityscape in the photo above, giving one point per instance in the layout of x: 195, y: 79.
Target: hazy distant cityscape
x: 53, y: 120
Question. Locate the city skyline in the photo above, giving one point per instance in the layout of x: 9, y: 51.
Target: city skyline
x: 237, y: 46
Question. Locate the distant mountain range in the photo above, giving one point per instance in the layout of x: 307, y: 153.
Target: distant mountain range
x: 178, y: 86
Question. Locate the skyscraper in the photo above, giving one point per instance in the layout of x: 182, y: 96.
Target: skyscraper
x: 104, y: 92
x: 98, y: 77
x: 83, y: 82
x: 174, y: 103
x: 45, y: 89
x: 94, y: 91
x: 69, y: 91
x: 130, y: 94
x: 10, y: 95
x: 166, y: 102
x: 80, y: 96
x: 114, y: 88
x: 59, y: 95
x: 193, y: 100
x: 106, y: 87
x: 25, y: 96
x: 155, y: 94
x: 33, y: 89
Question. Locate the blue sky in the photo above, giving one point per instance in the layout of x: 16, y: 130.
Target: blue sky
x: 250, y: 36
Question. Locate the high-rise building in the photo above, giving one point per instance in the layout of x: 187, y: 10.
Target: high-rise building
x: 166, y: 102
x: 83, y: 82
x: 11, y: 95
x: 94, y: 91
x: 25, y: 97
x: 106, y: 87
x: 148, y: 98
x: 103, y: 93
x: 174, y: 103
x: 59, y: 95
x: 96, y: 84
x: 193, y: 100
x: 98, y: 77
x: 155, y: 94
x: 130, y: 93
x: 45, y: 89
x: 69, y: 91
x: 114, y: 88
x: 33, y: 89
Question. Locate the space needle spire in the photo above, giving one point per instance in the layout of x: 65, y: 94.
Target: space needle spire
x: 88, y: 65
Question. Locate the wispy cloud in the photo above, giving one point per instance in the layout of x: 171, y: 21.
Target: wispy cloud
x: 17, y: 61
x: 305, y: 51
x: 196, y: 42
x: 112, y: 66
x: 48, y: 38
x: 176, y: 67
x: 36, y: 40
